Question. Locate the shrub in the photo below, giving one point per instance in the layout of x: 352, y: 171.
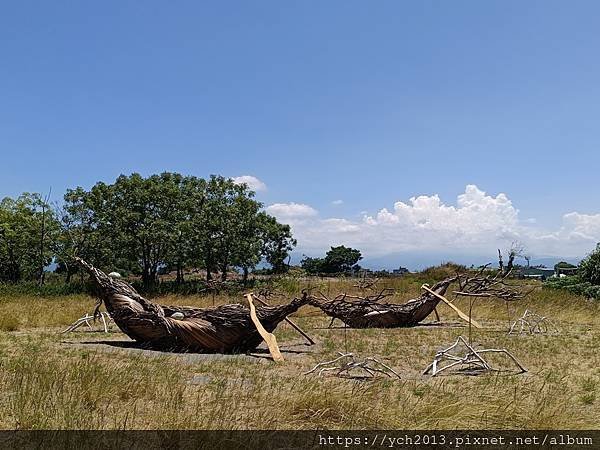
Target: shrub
x: 446, y: 270
x: 589, y: 269
x: 47, y: 290
x: 575, y: 285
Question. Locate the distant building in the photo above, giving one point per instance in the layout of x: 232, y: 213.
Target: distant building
x: 540, y: 273
x: 567, y: 271
x: 564, y: 269
x: 400, y: 271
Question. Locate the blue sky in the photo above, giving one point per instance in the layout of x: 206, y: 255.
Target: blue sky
x: 367, y: 103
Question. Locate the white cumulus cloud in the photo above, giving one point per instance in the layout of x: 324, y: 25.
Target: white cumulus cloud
x: 291, y: 211
x: 477, y: 222
x: 253, y: 183
x: 579, y: 232
x: 586, y: 226
x: 475, y: 213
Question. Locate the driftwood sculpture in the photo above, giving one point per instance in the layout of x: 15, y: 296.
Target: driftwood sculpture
x: 88, y: 319
x: 372, y: 312
x: 369, y: 312
x: 222, y: 329
x: 300, y: 331
x: 347, y: 362
x: 532, y: 323
x: 470, y: 360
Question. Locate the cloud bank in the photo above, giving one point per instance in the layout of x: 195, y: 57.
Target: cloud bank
x: 477, y: 224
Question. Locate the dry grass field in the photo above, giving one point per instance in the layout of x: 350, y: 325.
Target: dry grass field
x: 87, y: 380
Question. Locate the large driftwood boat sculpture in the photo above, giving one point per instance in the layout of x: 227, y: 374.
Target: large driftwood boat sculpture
x: 373, y: 312
x: 370, y: 312
x: 222, y: 329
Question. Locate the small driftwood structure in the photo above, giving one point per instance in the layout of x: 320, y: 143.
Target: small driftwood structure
x: 222, y: 329
x: 88, y: 319
x: 532, y: 323
x: 347, y: 362
x: 369, y: 312
x: 470, y: 360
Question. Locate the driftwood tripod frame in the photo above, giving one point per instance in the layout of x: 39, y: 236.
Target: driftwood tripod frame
x: 471, y: 360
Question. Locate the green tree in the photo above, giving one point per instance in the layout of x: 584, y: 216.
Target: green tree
x: 142, y: 216
x: 277, y: 243
x: 341, y: 259
x: 28, y: 231
x: 247, y: 247
x: 564, y: 265
x: 80, y: 235
x: 135, y: 220
x: 209, y: 246
x: 170, y: 222
x: 229, y: 228
x: 313, y: 266
x: 589, y: 268
x: 188, y: 207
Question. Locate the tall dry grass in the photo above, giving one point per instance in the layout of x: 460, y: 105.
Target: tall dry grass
x: 71, y: 381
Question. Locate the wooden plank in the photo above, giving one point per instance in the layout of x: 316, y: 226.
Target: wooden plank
x: 269, y: 338
x: 461, y: 314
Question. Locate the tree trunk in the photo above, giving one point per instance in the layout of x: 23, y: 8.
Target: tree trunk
x: 147, y: 279
x: 208, y: 264
x: 179, y: 272
x: 14, y: 273
x: 42, y: 237
x: 224, y: 273
x: 69, y: 273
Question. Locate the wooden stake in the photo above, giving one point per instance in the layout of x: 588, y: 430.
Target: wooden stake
x: 269, y: 338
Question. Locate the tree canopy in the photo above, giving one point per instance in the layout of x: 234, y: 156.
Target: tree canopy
x: 564, y: 265
x: 339, y: 259
x: 144, y: 225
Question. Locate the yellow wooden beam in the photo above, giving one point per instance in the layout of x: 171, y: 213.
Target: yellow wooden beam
x: 461, y: 314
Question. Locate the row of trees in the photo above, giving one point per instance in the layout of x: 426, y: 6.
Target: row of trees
x: 166, y: 222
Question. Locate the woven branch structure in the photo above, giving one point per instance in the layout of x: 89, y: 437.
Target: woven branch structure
x: 369, y: 312
x: 373, y: 312
x: 222, y: 329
